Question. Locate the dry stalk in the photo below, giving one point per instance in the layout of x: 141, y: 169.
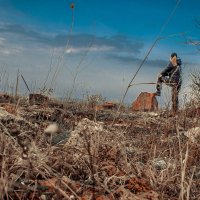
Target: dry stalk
x: 183, y: 163
x: 2, y: 184
x: 16, y: 87
x: 35, y: 186
x: 77, y: 72
x: 62, y: 192
x: 190, y: 184
x: 7, y: 133
x: 64, y: 181
x: 17, y: 104
x: 25, y: 83
x: 61, y: 57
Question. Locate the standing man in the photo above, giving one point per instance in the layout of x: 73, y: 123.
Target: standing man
x: 171, y: 76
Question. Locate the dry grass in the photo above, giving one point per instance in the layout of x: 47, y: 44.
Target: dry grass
x: 141, y: 157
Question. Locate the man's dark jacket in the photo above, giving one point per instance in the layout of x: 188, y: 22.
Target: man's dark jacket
x: 174, y: 72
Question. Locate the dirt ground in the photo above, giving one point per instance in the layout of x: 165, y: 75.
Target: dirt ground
x: 72, y: 151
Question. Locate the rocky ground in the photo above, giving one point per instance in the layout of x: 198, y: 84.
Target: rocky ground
x: 71, y: 151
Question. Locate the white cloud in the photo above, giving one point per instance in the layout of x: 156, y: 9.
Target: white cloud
x: 5, y: 52
x: 90, y: 49
x: 9, y: 48
x: 2, y: 40
x: 10, y: 51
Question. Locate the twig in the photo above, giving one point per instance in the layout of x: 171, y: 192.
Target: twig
x: 190, y: 184
x: 16, y: 87
x: 78, y: 69
x: 35, y: 187
x: 7, y: 133
x: 64, y: 181
x: 25, y: 83
x: 148, y: 83
x: 183, y: 166
x: 61, y: 192
x: 61, y: 57
x: 48, y: 74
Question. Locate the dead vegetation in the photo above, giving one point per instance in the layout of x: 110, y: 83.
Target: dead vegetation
x: 144, y: 155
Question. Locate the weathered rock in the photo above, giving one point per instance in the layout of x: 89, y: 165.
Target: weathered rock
x: 159, y: 164
x: 145, y: 102
x: 85, y: 130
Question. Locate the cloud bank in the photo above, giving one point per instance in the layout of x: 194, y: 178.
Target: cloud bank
x: 110, y: 60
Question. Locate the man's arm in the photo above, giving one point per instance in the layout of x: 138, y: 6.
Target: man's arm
x: 167, y: 70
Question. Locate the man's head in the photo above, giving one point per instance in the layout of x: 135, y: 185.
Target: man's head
x: 173, y: 54
x: 173, y: 58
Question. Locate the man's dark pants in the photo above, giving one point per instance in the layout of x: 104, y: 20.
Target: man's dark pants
x: 176, y: 86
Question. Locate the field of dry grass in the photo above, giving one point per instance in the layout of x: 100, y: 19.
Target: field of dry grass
x: 142, y: 156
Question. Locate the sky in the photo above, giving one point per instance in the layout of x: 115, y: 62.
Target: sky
x: 96, y: 47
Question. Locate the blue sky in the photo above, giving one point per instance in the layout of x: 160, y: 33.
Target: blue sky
x: 94, y: 48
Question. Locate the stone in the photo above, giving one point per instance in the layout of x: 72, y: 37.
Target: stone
x: 145, y: 102
x: 159, y: 164
x: 85, y: 129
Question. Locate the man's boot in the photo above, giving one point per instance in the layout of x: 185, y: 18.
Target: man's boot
x: 158, y: 87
